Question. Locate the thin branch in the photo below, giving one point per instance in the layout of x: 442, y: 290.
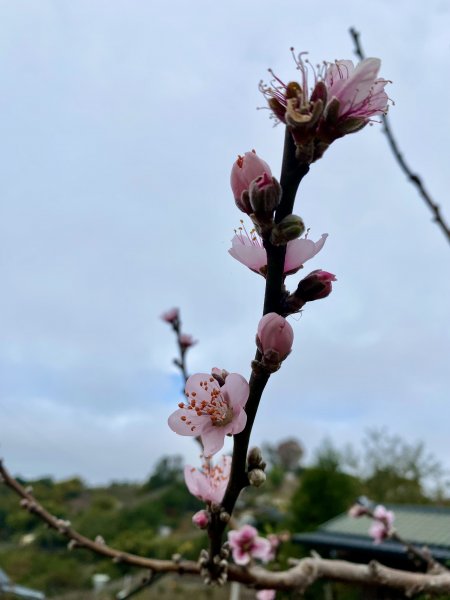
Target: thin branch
x: 292, y: 172
x: 299, y: 577
x: 180, y: 362
x: 414, y: 178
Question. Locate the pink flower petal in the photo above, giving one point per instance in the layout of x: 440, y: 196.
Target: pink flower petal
x: 212, y: 439
x: 300, y: 250
x: 262, y: 549
x: 252, y: 256
x: 236, y: 390
x: 202, y: 392
x: 185, y: 426
x: 239, y: 421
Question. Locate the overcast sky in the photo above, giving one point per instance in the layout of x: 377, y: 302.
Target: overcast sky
x: 119, y: 123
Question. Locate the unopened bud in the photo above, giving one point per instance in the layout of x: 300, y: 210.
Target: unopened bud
x: 224, y: 516
x: 254, y: 457
x: 171, y: 316
x: 274, y: 337
x: 201, y: 519
x: 256, y: 477
x: 186, y: 341
x: 290, y: 228
x: 265, y: 194
x: 316, y: 285
x: 246, y: 169
x: 219, y: 375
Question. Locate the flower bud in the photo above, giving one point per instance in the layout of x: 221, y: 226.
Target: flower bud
x: 254, y: 458
x: 186, y: 341
x: 264, y: 194
x: 219, y: 375
x: 315, y: 286
x: 244, y: 171
x: 275, y: 335
x: 201, y: 519
x: 171, y: 316
x: 290, y: 228
x: 256, y: 477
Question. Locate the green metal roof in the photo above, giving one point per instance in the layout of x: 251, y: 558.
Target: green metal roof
x: 418, y: 524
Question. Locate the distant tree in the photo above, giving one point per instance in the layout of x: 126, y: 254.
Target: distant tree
x: 285, y: 455
x: 324, y: 491
x: 397, y: 471
x: 168, y: 470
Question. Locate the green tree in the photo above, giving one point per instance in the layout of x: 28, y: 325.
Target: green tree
x: 394, y: 470
x: 324, y: 490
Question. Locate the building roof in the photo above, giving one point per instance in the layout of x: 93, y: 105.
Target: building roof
x: 6, y: 586
x: 420, y: 525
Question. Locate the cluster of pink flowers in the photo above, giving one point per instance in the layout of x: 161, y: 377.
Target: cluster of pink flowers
x: 383, y: 520
x: 381, y: 527
x: 343, y: 99
x: 211, y: 411
x: 359, y: 90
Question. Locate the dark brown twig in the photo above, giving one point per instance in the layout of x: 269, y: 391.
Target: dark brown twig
x: 414, y: 178
x: 291, y: 175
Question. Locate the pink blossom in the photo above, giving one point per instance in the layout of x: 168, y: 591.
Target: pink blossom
x: 382, y: 524
x: 201, y: 519
x: 245, y: 545
x: 275, y: 335
x: 246, y: 169
x: 356, y: 511
x: 171, y: 315
x: 248, y: 249
x: 359, y: 91
x: 265, y: 595
x: 209, y: 483
x: 187, y: 340
x: 211, y: 411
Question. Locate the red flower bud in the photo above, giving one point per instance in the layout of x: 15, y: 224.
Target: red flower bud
x: 315, y: 286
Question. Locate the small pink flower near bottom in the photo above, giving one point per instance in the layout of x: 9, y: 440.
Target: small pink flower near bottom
x: 265, y: 595
x: 211, y: 411
x: 245, y: 544
x: 201, y: 519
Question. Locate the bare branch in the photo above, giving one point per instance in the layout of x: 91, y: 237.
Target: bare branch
x: 299, y: 577
x: 76, y: 540
x: 414, y: 178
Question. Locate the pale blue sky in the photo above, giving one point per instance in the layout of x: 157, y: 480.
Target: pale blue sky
x: 119, y: 122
